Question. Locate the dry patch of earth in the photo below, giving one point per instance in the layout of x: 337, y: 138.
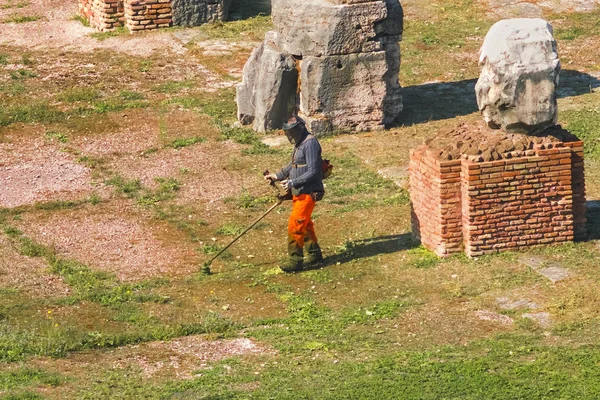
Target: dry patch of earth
x: 183, y: 358
x: 27, y: 275
x: 115, y: 237
x: 536, y: 9
x: 35, y: 170
x: 203, y: 170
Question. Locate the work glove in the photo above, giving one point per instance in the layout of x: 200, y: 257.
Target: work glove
x: 287, y: 185
x: 271, y: 177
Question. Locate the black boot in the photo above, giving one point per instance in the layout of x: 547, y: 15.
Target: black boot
x: 315, y: 256
x: 296, y: 257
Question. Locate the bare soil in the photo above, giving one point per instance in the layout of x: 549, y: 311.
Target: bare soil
x: 536, y: 9
x: 115, y: 237
x: 33, y: 169
x: 57, y: 29
x: 30, y: 276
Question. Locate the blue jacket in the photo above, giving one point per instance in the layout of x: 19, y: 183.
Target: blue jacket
x: 305, y: 171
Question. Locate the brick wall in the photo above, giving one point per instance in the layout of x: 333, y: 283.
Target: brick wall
x: 104, y: 15
x: 137, y: 15
x: 435, y: 194
x: 148, y: 14
x: 529, y: 198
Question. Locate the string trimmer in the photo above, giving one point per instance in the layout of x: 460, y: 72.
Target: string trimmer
x: 280, y: 199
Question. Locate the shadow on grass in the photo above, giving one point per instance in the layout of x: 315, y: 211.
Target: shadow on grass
x: 353, y: 250
x: 244, y: 9
x: 446, y: 100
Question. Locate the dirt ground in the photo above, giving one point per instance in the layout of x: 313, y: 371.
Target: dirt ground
x: 148, y: 189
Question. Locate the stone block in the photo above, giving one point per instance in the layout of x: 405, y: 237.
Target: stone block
x: 267, y: 95
x: 516, y: 90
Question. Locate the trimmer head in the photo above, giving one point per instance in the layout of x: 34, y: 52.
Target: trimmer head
x: 205, y: 270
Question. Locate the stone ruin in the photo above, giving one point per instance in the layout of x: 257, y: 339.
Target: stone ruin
x: 514, y: 180
x: 139, y: 15
x: 335, y: 62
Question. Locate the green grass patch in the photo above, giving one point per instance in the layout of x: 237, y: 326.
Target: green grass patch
x: 22, y: 73
x: 59, y: 137
x: 81, y: 19
x: 230, y: 230
x: 17, y: 343
x: 21, y: 19
x: 23, y: 377
x: 119, y: 31
x: 36, y: 111
x: 250, y: 29
x: 185, y: 142
x: 247, y: 200
x: 131, y: 95
x: 128, y: 187
x: 424, y: 258
x: 80, y: 93
x: 586, y: 125
x: 13, y: 4
x: 171, y: 87
x: 570, y: 33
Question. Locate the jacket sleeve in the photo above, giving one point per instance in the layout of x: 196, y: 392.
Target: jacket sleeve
x: 312, y: 154
x: 284, y: 172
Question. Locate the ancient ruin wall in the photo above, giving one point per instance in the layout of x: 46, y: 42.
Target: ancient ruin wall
x: 139, y: 15
x: 148, y: 14
x: 104, y: 15
x: 535, y: 198
x: 435, y: 194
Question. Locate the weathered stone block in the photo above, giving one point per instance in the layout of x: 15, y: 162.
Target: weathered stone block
x: 317, y: 27
x: 520, y: 70
x: 347, y: 90
x: 267, y: 95
x: 198, y: 12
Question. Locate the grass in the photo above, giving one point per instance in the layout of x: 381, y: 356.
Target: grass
x: 585, y: 124
x: 20, y: 19
x: 82, y: 20
x: 118, y: 31
x: 22, y: 73
x: 39, y: 111
x: 79, y: 93
x: 383, y: 317
x: 252, y: 28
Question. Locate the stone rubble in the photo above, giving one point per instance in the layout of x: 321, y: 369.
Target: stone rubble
x: 347, y: 60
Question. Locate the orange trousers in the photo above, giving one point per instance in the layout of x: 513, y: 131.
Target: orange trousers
x: 300, y: 226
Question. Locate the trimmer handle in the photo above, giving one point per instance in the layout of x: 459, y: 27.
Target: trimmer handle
x: 271, y: 181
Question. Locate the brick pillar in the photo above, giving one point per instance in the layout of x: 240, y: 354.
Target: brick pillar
x: 104, y: 15
x: 578, y: 180
x: 148, y: 14
x: 435, y: 202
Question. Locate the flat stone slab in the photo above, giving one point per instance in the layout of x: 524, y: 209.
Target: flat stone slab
x: 542, y: 318
x: 506, y: 303
x: 276, y: 141
x: 555, y: 273
x: 551, y: 270
x: 486, y: 315
x: 398, y: 174
x: 533, y: 262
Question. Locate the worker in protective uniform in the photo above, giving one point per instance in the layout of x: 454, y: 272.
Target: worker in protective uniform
x: 303, y: 177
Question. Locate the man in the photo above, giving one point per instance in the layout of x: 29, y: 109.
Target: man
x: 303, y: 177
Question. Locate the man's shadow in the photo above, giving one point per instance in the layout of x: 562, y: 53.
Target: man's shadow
x: 446, y: 100
x: 363, y: 248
